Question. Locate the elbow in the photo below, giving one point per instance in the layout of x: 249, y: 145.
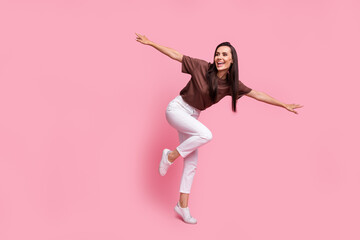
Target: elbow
x: 177, y: 56
x: 260, y: 96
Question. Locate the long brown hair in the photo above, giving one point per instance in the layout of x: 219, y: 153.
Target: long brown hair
x: 232, y: 78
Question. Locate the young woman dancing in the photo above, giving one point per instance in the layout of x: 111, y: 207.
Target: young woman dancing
x: 209, y: 83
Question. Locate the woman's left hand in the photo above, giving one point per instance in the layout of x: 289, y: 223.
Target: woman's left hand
x: 291, y: 107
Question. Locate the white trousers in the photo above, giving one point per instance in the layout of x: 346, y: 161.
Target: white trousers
x: 192, y: 134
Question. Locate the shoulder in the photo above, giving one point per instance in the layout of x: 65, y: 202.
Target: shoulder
x: 190, y: 64
x: 193, y: 60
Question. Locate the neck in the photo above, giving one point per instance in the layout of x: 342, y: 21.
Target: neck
x: 221, y: 74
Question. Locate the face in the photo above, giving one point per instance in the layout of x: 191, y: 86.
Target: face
x: 223, y: 58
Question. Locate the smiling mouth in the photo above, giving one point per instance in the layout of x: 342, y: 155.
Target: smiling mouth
x: 220, y: 64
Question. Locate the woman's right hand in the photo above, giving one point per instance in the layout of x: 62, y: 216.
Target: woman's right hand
x: 165, y: 50
x: 142, y: 39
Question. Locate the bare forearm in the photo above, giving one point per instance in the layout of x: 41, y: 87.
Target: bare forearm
x: 263, y: 97
x: 172, y: 53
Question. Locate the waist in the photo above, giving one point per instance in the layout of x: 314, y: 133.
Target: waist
x: 179, y: 103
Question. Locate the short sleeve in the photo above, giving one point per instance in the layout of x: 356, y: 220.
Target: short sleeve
x: 190, y: 64
x: 243, y: 89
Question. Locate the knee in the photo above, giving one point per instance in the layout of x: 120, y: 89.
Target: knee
x: 207, y: 135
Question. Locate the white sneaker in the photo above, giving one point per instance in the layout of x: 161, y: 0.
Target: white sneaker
x: 185, y: 214
x: 164, y: 163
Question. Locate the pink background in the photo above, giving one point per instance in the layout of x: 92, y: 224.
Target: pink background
x: 82, y: 122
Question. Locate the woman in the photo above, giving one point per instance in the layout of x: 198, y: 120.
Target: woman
x: 208, y: 85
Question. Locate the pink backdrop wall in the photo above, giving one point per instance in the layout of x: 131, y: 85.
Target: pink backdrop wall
x: 82, y: 122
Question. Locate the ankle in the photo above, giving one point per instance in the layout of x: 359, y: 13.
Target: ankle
x: 171, y: 157
x: 183, y: 205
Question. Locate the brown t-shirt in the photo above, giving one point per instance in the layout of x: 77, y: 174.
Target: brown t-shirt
x: 196, y: 92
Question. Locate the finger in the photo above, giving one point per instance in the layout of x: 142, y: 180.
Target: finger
x: 296, y: 106
x: 292, y: 110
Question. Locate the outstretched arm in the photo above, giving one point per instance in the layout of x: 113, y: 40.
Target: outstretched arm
x: 165, y: 50
x: 263, y: 97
